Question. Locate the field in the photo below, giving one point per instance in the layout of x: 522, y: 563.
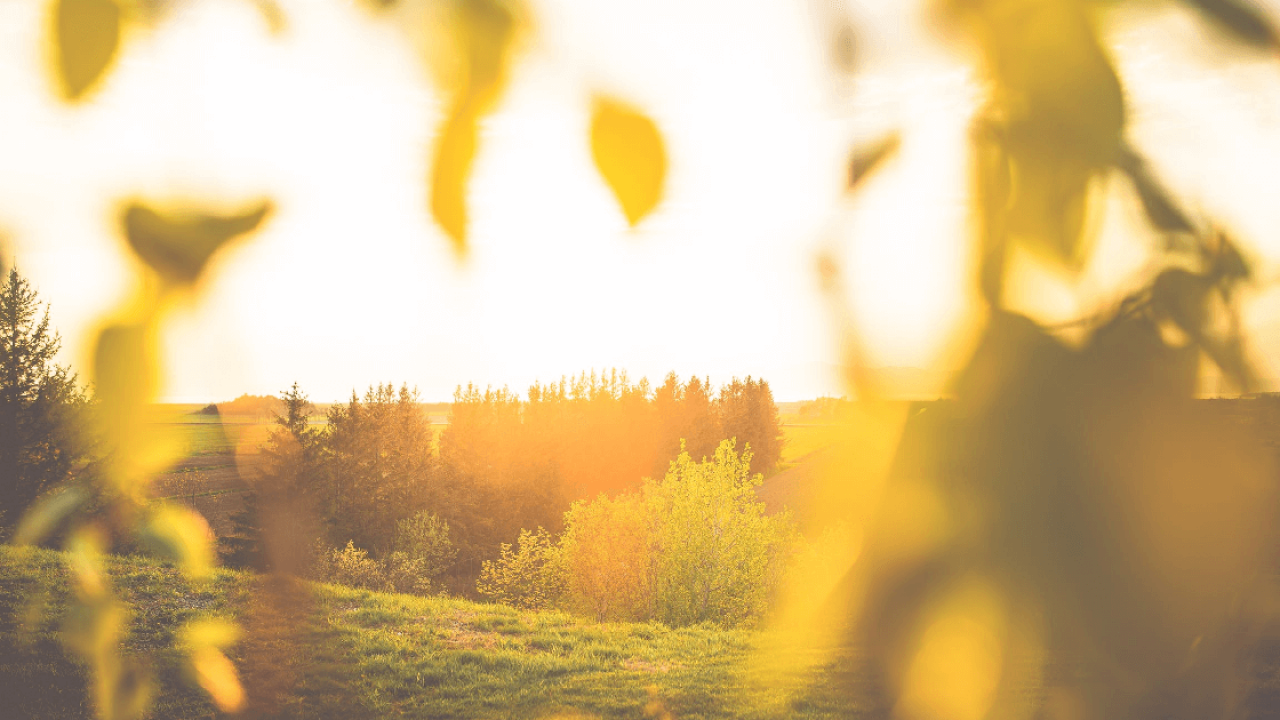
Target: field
x: 373, y: 655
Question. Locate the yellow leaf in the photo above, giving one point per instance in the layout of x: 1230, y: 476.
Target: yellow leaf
x: 183, y: 535
x: 218, y: 676
x: 206, y: 633
x: 86, y: 37
x: 455, y: 152
x: 629, y: 153
x: 177, y: 245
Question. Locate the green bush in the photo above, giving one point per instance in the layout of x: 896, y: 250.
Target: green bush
x: 424, y: 538
x: 352, y: 566
x: 529, y: 576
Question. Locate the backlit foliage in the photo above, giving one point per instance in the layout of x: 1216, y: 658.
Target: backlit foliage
x: 1073, y: 520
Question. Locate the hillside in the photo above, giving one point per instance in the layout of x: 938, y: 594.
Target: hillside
x: 373, y: 655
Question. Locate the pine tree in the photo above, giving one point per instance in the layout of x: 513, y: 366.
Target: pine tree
x: 42, y: 406
x: 282, y: 497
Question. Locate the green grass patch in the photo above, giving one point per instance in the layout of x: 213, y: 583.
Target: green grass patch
x: 360, y: 654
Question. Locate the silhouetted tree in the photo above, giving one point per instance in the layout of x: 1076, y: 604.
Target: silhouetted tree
x: 42, y: 406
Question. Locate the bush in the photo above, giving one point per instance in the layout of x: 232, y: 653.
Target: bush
x: 718, y: 556
x: 424, y: 538
x: 693, y: 547
x: 353, y: 567
x: 606, y: 553
x: 529, y: 576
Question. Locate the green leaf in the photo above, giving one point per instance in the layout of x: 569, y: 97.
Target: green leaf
x: 866, y: 159
x: 629, y: 153
x: 1244, y: 21
x: 86, y: 38
x: 179, y: 244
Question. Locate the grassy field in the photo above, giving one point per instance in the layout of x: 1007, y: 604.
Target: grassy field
x: 372, y: 655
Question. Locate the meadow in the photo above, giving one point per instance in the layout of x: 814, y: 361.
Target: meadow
x: 372, y: 655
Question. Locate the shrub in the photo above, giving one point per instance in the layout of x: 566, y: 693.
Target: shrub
x: 529, y: 576
x: 353, y: 567
x: 424, y: 538
x: 717, y: 556
x: 693, y: 547
x: 607, y: 557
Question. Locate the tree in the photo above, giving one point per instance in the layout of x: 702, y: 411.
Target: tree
x: 748, y: 413
x: 42, y: 406
x: 271, y: 532
x: 378, y: 457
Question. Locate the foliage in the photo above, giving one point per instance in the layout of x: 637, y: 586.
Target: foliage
x: 424, y: 538
x: 607, y: 557
x: 352, y: 567
x: 718, y: 557
x: 1073, y: 505
x: 43, y: 433
x: 530, y: 576
x: 377, y: 451
x: 693, y: 547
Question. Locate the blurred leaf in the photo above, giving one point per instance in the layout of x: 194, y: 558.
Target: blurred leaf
x: 455, y: 153
x: 217, y: 675
x: 84, y: 556
x: 486, y: 28
x: 1183, y: 296
x: 1243, y: 20
x: 86, y: 37
x: 1050, y: 186
x: 1161, y: 208
x: 178, y: 245
x: 867, y: 158
x: 629, y: 154
x: 273, y: 14
x: 182, y: 535
x: 208, y: 633
x: 956, y: 671
x: 1228, y: 264
x: 47, y: 514
x: 844, y: 48
x: 125, y: 689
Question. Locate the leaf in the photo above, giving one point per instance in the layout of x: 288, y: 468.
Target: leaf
x: 203, y: 640
x: 272, y: 14
x: 217, y: 675
x: 1183, y: 296
x: 869, y: 157
x: 208, y: 632
x: 46, y: 515
x: 629, y: 154
x: 486, y: 29
x: 1247, y: 23
x: 178, y: 245
x: 1161, y: 209
x: 455, y: 153
x: 86, y: 38
x: 182, y: 535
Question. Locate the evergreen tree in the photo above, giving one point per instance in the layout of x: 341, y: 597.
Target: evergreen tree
x: 270, y: 533
x: 42, y: 406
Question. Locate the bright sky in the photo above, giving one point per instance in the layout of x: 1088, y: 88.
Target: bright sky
x: 351, y: 283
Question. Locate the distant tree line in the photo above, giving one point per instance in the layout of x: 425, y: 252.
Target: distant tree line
x: 376, y: 476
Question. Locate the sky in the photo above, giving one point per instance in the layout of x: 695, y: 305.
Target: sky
x: 351, y: 283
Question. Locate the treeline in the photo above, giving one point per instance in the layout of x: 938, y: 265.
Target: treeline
x: 372, y: 473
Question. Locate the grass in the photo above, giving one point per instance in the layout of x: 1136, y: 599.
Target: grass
x: 372, y: 655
